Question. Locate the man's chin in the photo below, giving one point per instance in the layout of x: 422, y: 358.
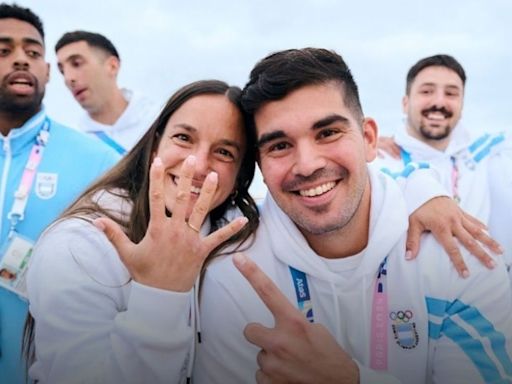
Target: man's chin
x: 21, y: 104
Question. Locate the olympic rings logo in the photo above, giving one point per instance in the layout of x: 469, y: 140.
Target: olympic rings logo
x: 403, y: 316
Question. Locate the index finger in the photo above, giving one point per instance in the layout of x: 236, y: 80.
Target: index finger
x: 268, y: 292
x: 156, y: 191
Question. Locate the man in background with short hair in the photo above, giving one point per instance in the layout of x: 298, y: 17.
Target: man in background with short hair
x: 44, y: 166
x: 90, y: 64
x: 474, y: 167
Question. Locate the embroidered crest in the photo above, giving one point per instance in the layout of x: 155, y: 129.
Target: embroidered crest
x: 46, y: 185
x: 404, y: 329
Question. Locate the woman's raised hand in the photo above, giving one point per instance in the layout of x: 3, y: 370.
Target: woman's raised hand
x: 172, y: 252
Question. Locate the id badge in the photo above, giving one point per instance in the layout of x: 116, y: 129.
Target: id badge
x: 15, y: 256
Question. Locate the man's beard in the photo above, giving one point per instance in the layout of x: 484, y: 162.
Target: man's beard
x: 437, y: 135
x: 20, y: 105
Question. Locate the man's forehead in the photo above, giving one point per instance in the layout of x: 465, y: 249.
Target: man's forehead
x: 15, y: 29
x: 438, y: 75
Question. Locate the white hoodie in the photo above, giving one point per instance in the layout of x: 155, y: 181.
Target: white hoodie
x: 440, y: 302
x: 129, y: 127
x: 484, y: 179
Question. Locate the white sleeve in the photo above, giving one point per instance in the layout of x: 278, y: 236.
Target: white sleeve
x: 93, y: 325
x: 419, y: 184
x: 224, y: 356
x: 470, y: 324
x: 500, y: 181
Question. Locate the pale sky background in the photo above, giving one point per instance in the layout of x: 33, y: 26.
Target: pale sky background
x: 166, y: 44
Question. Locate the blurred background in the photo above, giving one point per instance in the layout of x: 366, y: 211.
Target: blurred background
x: 165, y: 44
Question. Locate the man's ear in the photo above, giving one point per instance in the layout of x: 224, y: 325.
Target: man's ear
x: 370, y: 136
x: 113, y: 65
x: 405, y: 104
x: 47, y: 72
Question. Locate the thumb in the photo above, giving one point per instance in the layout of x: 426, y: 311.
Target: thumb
x: 115, y: 235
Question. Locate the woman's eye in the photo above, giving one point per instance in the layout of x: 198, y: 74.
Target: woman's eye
x: 226, y: 153
x: 181, y: 137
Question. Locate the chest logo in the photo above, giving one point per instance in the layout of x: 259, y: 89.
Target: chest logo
x: 46, y: 185
x: 404, y: 329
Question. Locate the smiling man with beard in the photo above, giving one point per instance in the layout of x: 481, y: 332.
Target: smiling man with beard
x: 325, y: 293
x: 43, y: 167
x: 473, y: 167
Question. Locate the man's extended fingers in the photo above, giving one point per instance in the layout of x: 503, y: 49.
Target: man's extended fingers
x: 115, y: 235
x: 202, y: 205
x: 156, y: 190
x: 259, y: 335
x: 474, y: 247
x: 262, y: 378
x: 412, y: 244
x: 479, y: 234
x: 473, y: 220
x: 224, y: 233
x: 451, y: 247
x: 273, y: 298
x: 179, y: 210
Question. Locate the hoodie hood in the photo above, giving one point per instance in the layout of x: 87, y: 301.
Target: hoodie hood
x: 388, y: 222
x: 460, y: 138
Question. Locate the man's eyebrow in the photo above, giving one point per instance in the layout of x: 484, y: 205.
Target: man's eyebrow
x: 265, y: 138
x: 29, y: 40
x: 25, y: 40
x: 334, y: 118
x: 74, y: 56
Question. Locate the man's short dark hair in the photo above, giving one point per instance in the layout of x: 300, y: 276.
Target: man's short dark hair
x: 13, y: 11
x: 441, y: 60
x: 93, y: 39
x: 280, y: 73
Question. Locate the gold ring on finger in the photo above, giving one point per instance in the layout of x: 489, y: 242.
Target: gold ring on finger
x: 192, y: 227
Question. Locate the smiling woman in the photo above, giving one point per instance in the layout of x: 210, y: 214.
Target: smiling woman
x: 106, y: 318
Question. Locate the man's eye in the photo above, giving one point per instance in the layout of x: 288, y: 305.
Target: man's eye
x: 278, y: 147
x: 327, y: 133
x: 34, y: 54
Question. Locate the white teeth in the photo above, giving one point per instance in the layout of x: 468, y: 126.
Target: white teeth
x: 436, y: 116
x: 312, y: 192
x: 193, y: 189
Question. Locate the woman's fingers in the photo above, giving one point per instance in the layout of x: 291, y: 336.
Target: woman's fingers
x: 179, y: 210
x: 204, y: 201
x: 222, y: 234
x: 156, y: 191
x: 117, y: 237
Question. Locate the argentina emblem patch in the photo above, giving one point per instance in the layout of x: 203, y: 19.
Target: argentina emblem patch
x: 404, y: 329
x: 46, y: 185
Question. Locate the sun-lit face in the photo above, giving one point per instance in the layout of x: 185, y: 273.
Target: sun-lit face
x: 23, y: 69
x: 89, y: 73
x: 313, y: 155
x: 209, y: 127
x: 434, y: 105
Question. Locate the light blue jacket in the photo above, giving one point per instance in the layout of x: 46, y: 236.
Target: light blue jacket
x: 74, y: 160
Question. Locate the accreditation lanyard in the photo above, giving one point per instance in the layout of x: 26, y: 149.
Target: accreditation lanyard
x: 379, y: 329
x: 22, y: 193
